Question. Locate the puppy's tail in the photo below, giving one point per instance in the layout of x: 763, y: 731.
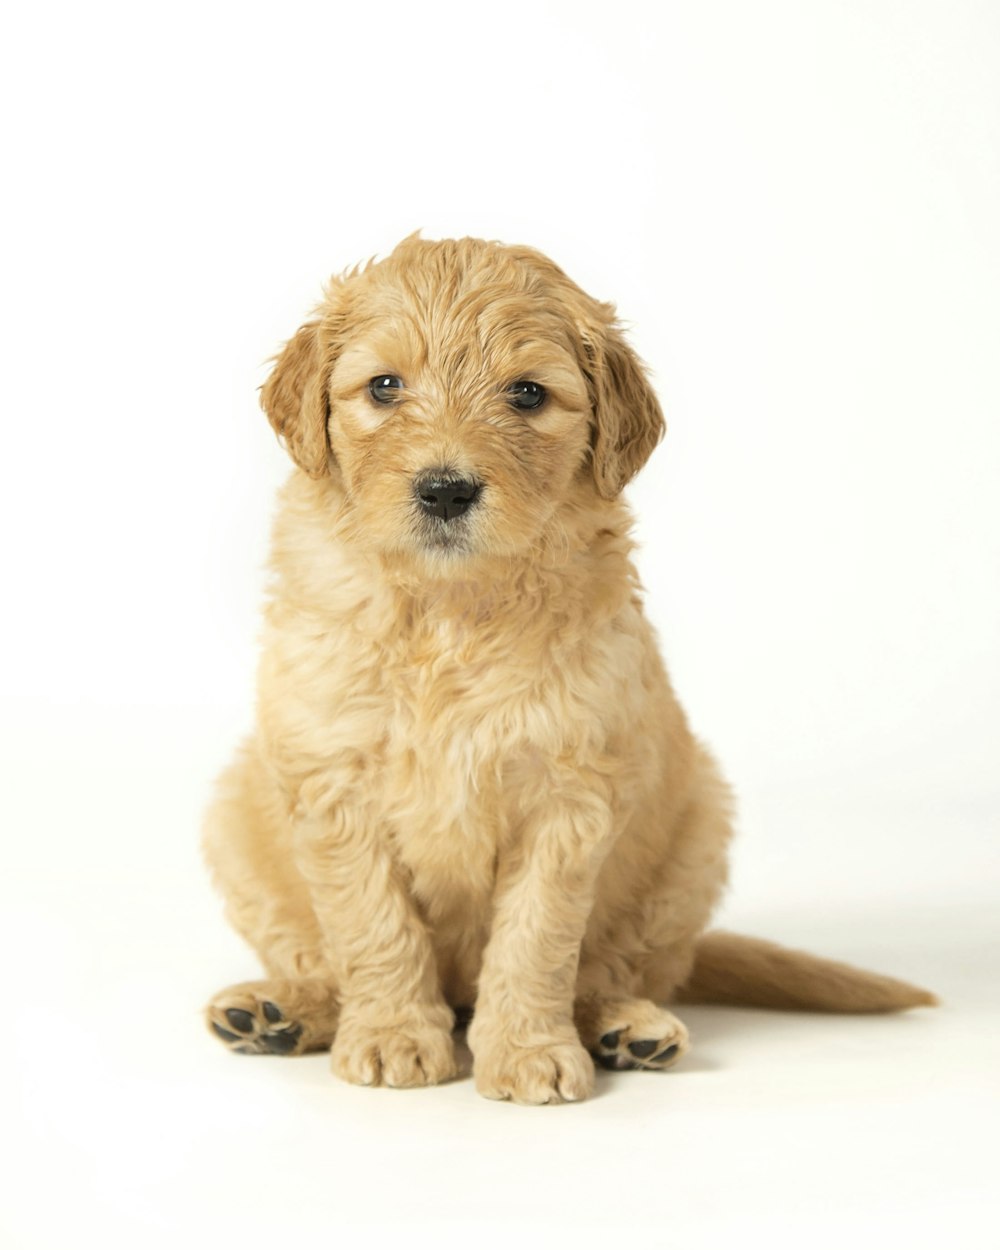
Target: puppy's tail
x: 747, y: 972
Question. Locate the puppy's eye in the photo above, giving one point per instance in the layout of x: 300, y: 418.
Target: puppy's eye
x: 385, y: 388
x: 526, y: 394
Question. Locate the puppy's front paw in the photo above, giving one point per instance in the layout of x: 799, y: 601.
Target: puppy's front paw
x: 552, y: 1071
x: 417, y: 1052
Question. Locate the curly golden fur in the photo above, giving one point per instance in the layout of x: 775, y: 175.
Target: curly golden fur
x: 471, y: 785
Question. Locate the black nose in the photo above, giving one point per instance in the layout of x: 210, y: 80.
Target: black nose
x: 444, y: 494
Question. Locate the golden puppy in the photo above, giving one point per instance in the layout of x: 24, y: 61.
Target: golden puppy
x: 471, y: 785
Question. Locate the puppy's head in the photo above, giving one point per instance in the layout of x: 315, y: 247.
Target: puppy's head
x: 463, y: 393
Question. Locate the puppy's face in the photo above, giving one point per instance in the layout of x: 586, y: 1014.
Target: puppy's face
x: 464, y: 393
x: 458, y: 417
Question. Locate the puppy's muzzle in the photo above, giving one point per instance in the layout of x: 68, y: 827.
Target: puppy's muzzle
x: 443, y: 494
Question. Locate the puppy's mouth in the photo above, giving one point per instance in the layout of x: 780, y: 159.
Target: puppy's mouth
x: 452, y: 536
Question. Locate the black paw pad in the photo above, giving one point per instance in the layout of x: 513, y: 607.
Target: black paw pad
x: 242, y: 1021
x: 262, y: 1030
x: 616, y: 1063
x: 224, y: 1033
x: 280, y: 1043
x: 642, y: 1050
x: 664, y: 1055
x: 610, y: 1040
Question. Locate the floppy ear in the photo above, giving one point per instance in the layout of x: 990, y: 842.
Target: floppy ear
x: 628, y: 421
x: 295, y: 400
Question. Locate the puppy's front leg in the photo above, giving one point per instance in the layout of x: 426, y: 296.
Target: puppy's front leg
x: 394, y: 1026
x: 522, y: 1036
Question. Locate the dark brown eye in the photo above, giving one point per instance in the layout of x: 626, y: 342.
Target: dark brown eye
x: 524, y: 394
x: 385, y: 388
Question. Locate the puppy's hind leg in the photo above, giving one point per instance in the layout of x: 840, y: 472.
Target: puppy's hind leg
x: 247, y: 846
x: 620, y: 1008
x: 641, y: 954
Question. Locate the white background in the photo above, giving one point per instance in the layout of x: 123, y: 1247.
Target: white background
x: 795, y: 207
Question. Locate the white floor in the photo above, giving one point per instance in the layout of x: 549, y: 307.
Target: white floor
x: 128, y: 1125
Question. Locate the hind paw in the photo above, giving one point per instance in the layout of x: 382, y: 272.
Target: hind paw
x: 633, y: 1034
x: 250, y: 1025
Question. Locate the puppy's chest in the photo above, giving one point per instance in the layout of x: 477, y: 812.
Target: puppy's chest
x: 444, y: 679
x: 454, y: 711
x: 452, y: 717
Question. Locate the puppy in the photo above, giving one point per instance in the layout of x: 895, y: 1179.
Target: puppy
x: 471, y: 790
